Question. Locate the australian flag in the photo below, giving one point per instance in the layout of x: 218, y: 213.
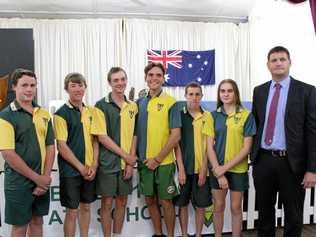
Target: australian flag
x: 184, y: 66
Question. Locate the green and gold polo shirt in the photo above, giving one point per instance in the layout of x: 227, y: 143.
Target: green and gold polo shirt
x: 27, y: 134
x: 156, y: 116
x: 229, y: 132
x: 77, y: 129
x: 193, y: 140
x: 120, y: 124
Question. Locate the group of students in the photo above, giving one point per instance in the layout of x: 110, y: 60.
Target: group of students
x: 98, y: 147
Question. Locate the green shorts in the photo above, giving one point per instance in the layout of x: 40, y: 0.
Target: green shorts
x: 236, y: 181
x: 200, y: 196
x: 74, y: 190
x: 159, y: 182
x: 21, y: 205
x: 113, y: 184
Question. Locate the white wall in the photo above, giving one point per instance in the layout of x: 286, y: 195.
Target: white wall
x: 281, y: 23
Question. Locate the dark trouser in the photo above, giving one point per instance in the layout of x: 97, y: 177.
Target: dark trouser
x: 273, y: 174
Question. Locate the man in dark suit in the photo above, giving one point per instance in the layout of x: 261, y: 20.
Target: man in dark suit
x: 284, y: 149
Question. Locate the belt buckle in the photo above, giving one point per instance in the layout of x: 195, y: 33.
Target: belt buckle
x: 274, y: 153
x: 283, y: 153
x: 278, y: 153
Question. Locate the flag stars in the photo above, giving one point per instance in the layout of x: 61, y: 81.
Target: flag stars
x: 198, y: 56
x: 199, y: 79
x: 167, y: 77
x: 205, y: 62
x: 202, y: 69
x: 190, y: 65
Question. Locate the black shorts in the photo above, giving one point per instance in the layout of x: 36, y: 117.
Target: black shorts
x: 238, y: 182
x: 200, y: 196
x: 74, y: 190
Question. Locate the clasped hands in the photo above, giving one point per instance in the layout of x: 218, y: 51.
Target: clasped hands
x: 42, y: 184
x: 219, y: 172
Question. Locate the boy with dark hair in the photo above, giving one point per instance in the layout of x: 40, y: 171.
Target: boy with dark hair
x: 158, y: 132
x: 27, y: 145
x: 192, y: 160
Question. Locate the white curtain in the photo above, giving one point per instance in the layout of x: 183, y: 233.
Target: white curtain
x: 92, y: 46
x: 89, y: 47
x: 243, y: 63
x: 229, y: 41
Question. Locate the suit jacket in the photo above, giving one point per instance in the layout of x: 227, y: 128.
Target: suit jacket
x: 300, y: 124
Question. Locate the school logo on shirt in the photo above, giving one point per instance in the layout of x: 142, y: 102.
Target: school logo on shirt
x: 45, y: 120
x: 131, y: 113
x: 237, y: 118
x: 203, y: 123
x: 159, y: 106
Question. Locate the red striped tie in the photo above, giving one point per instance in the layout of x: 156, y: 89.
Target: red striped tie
x: 272, y: 115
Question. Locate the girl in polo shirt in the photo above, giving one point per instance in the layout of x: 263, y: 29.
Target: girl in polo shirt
x: 233, y: 129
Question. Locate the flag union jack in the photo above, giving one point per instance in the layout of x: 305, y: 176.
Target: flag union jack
x: 166, y: 57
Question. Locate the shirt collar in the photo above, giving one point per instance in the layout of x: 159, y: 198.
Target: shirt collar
x: 109, y: 99
x: 185, y: 111
x: 284, y: 83
x: 158, y: 95
x: 71, y: 106
x: 15, y: 106
x: 222, y: 110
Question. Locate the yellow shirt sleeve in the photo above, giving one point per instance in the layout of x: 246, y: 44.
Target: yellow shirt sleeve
x: 98, y: 123
x: 7, y: 138
x: 60, y: 128
x: 208, y: 127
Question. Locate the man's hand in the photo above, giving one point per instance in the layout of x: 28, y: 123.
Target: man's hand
x: 309, y: 180
x: 83, y: 170
x: 128, y: 172
x: 151, y: 164
x: 43, y: 181
x: 39, y: 191
x: 130, y: 159
x: 223, y: 183
x: 92, y: 170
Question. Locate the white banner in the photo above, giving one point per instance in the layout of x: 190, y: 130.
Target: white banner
x: 137, y: 221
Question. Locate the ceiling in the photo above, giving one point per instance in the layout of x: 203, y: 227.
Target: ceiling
x: 191, y: 10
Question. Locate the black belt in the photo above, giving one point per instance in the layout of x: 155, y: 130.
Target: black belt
x: 275, y: 153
